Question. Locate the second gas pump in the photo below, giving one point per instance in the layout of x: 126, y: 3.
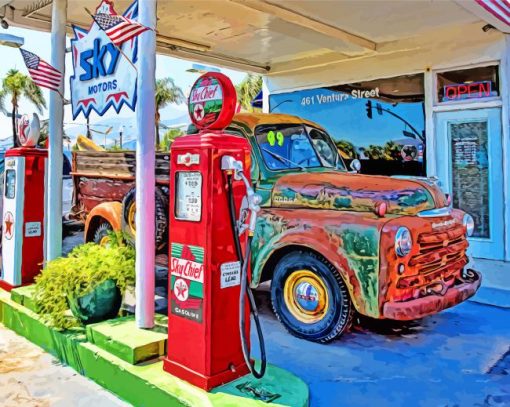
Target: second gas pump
x: 209, y: 294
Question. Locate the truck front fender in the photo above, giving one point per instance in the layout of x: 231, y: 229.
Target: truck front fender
x: 317, y: 240
x: 110, y: 212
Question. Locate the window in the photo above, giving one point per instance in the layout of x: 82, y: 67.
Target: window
x: 286, y: 147
x: 470, y: 172
x: 325, y: 148
x: 380, y: 122
x: 468, y: 84
x: 10, y: 184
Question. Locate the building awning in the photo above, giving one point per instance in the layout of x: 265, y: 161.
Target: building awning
x: 274, y: 37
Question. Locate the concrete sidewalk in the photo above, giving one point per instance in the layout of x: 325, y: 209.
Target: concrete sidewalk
x: 30, y: 377
x: 495, y: 289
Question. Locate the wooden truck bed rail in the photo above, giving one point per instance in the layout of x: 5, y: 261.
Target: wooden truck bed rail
x: 105, y: 176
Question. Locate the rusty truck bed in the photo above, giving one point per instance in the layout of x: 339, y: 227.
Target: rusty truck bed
x: 105, y: 176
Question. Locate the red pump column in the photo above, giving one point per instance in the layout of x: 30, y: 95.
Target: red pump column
x: 203, y: 321
x: 23, y: 215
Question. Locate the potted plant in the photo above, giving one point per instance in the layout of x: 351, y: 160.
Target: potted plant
x: 90, y: 282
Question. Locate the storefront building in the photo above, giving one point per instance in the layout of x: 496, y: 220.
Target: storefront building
x: 436, y: 107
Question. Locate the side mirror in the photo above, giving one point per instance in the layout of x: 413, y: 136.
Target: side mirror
x: 355, y: 165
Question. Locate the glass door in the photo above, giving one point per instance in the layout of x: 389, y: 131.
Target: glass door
x: 470, y: 167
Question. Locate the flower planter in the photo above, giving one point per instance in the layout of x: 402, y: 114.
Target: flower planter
x: 99, y: 305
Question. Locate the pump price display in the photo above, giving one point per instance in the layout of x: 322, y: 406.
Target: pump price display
x: 188, y: 205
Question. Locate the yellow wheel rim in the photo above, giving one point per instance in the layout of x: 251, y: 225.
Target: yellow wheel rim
x: 131, y: 219
x: 105, y: 240
x: 306, y: 296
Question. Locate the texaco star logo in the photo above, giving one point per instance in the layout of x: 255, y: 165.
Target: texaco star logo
x: 181, y: 290
x: 9, y: 223
x: 198, y: 112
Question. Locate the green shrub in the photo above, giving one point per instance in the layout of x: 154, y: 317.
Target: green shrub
x: 86, y: 267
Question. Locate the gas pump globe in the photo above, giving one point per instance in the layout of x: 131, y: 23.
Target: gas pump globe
x: 23, y: 207
x: 208, y: 316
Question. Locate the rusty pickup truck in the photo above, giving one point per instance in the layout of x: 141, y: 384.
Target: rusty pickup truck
x: 333, y: 242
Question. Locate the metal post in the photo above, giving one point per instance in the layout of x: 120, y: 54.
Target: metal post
x: 265, y: 95
x: 145, y: 168
x: 121, y: 130
x: 56, y: 124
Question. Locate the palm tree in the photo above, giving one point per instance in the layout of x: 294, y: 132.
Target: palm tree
x: 249, y: 87
x: 375, y: 152
x: 348, y: 150
x: 169, y: 137
x: 166, y: 92
x: 17, y: 85
x: 392, y: 150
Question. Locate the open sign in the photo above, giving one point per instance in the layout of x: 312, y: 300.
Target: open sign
x: 473, y: 90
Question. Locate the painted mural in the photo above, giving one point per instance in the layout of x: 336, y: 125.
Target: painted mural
x: 380, y: 122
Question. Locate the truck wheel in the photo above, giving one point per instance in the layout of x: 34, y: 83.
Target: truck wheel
x: 129, y: 212
x: 101, y: 234
x: 310, y: 298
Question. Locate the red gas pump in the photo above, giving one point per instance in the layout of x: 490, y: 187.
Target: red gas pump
x: 23, y: 208
x: 208, y: 318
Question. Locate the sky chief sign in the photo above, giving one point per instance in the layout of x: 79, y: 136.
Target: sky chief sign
x: 103, y: 77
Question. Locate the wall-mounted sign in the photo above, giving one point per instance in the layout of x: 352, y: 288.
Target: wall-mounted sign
x: 473, y: 90
x: 212, y: 101
x: 103, y: 77
x: 470, y: 172
x: 472, y: 83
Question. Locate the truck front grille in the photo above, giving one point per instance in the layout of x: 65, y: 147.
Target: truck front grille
x: 440, y: 258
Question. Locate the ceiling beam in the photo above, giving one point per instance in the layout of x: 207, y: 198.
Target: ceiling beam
x: 211, y: 58
x: 310, y: 23
x: 35, y: 6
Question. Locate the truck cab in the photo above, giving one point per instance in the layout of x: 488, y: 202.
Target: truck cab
x: 334, y: 242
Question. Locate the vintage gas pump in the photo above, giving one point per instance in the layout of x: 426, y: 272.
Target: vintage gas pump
x: 23, y: 207
x: 208, y: 318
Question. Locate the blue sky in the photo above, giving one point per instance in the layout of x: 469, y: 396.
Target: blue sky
x: 40, y: 43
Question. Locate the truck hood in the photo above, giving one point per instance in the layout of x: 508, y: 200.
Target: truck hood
x: 355, y: 192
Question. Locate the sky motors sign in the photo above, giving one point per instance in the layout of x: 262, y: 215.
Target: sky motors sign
x: 103, y: 77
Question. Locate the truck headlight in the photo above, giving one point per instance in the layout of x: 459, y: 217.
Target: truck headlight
x: 469, y: 224
x: 403, y: 241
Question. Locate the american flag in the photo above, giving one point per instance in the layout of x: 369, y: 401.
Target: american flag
x: 119, y: 29
x: 498, y: 8
x: 42, y: 73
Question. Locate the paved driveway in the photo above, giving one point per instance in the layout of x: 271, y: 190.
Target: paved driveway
x: 455, y: 358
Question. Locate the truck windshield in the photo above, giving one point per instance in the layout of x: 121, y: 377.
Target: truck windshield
x: 286, y: 147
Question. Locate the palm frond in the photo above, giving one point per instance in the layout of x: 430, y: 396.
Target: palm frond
x: 2, y: 101
x: 34, y: 94
x: 16, y: 84
x: 168, y: 92
x: 248, y: 89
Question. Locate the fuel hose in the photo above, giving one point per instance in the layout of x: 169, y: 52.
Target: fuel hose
x: 245, y: 290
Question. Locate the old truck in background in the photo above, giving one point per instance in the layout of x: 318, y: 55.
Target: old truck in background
x: 332, y: 242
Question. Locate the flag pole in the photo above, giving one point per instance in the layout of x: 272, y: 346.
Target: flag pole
x: 115, y: 45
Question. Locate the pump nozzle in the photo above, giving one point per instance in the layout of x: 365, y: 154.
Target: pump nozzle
x: 230, y: 164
